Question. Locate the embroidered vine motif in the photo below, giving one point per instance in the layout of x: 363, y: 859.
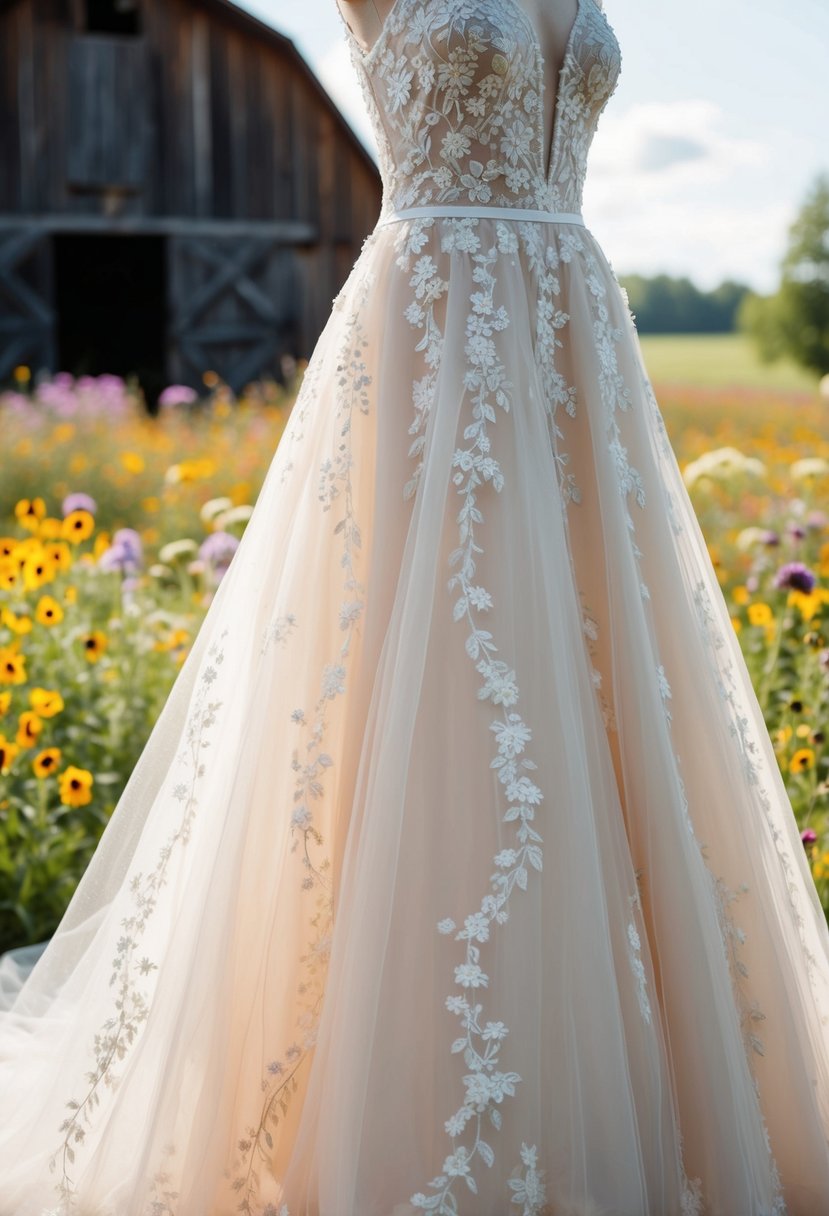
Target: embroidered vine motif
x: 335, y: 490
x: 486, y: 1084
x: 129, y: 966
x: 636, y: 964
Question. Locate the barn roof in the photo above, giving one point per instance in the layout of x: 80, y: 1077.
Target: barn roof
x: 247, y: 22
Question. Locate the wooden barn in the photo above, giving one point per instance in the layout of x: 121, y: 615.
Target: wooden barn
x: 178, y: 192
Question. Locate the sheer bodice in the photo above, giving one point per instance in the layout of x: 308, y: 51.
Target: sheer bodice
x: 456, y: 94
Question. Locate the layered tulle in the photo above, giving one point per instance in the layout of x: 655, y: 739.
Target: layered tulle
x: 458, y: 869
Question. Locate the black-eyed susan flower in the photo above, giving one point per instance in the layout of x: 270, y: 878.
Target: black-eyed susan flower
x: 50, y: 528
x: 802, y: 760
x: 12, y: 666
x: 48, y: 611
x: 9, y: 574
x: 94, y: 644
x: 8, y: 752
x: 29, y: 512
x: 46, y: 702
x: 58, y: 553
x: 37, y: 570
x: 29, y: 727
x: 7, y: 546
x: 46, y: 762
x: 77, y: 526
x: 760, y: 614
x: 75, y: 786
x: 19, y: 624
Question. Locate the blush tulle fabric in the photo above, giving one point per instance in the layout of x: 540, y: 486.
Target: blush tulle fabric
x: 457, y: 874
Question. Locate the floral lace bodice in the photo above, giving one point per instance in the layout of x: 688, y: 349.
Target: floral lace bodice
x: 455, y: 92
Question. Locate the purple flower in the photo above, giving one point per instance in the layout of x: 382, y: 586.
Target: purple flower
x: 177, y: 394
x: 124, y: 554
x: 808, y: 836
x: 770, y: 538
x: 796, y: 531
x: 217, y: 549
x: 796, y: 576
x: 79, y: 502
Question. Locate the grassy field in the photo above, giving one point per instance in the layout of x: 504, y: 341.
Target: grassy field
x: 719, y: 361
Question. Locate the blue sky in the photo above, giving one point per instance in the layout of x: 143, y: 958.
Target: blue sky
x: 716, y: 130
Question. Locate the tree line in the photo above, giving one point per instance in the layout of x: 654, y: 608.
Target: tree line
x: 792, y: 322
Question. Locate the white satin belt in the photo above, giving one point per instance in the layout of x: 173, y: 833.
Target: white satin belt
x: 461, y: 211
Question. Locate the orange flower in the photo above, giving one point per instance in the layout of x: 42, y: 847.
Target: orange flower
x: 94, y: 644
x: 46, y: 762
x: 8, y: 751
x: 45, y: 702
x: 12, y: 666
x: 28, y: 729
x: 75, y: 786
x: 77, y: 526
x: 48, y: 611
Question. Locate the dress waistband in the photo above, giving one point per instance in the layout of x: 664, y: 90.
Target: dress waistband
x: 460, y: 211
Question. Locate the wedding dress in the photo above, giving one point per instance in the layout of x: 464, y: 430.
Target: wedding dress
x: 457, y: 875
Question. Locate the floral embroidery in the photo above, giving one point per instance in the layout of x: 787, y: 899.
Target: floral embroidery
x: 456, y: 87
x: 637, y: 966
x: 278, y: 1085
x: 129, y: 965
x: 486, y: 1083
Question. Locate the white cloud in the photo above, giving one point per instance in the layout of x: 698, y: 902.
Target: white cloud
x: 666, y: 191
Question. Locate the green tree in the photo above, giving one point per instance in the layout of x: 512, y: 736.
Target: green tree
x: 794, y: 322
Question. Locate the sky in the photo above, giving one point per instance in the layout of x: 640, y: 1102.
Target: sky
x: 714, y: 136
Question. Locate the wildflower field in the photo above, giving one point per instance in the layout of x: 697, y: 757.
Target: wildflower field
x: 116, y: 528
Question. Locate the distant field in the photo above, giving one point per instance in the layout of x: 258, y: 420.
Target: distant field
x: 719, y: 361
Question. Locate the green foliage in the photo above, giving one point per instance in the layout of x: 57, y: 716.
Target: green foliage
x: 795, y: 320
x: 665, y: 305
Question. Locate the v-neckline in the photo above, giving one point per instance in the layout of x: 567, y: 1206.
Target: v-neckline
x: 547, y: 149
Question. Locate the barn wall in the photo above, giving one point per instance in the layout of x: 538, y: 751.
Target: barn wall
x: 228, y: 126
x: 203, y: 120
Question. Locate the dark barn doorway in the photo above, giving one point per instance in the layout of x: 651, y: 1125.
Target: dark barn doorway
x: 111, y: 307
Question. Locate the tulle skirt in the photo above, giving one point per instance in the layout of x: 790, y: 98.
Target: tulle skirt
x: 457, y: 874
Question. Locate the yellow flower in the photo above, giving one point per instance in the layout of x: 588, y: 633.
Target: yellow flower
x: 8, y: 574
x: 808, y: 602
x: 133, y: 462
x: 803, y: 731
x: 151, y: 505
x: 28, y: 728
x: 94, y: 644
x: 17, y: 624
x: 50, y: 528
x: 45, y: 702
x: 8, y: 751
x: 59, y: 553
x: 46, y: 762
x: 737, y: 623
x: 12, y: 666
x: 5, y: 702
x: 802, y: 760
x: 75, y: 786
x: 7, y: 546
x: 102, y: 542
x: 29, y: 512
x: 70, y: 595
x: 740, y: 595
x: 783, y: 734
x: 37, y: 570
x: 48, y: 611
x: 760, y: 614
x: 22, y: 374
x: 77, y: 526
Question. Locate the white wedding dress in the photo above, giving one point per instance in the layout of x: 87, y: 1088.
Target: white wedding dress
x: 458, y: 874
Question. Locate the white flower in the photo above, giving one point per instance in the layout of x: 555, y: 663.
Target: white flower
x: 470, y: 975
